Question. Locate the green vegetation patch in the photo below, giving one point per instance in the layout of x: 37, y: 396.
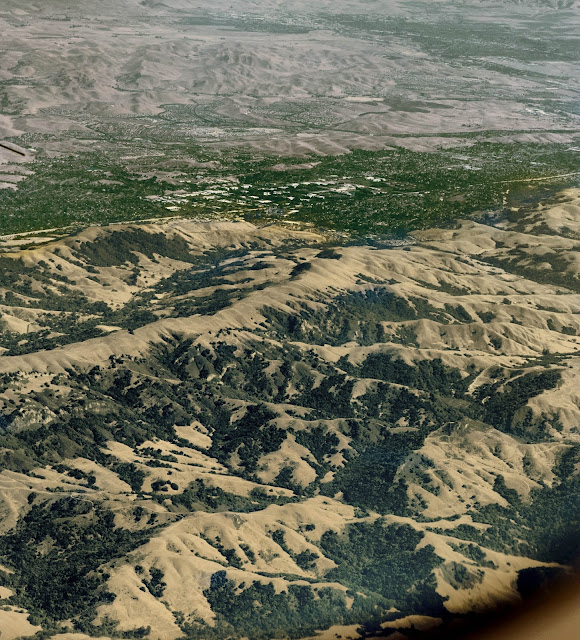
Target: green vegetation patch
x: 258, y: 611
x: 200, y: 496
x: 361, y: 192
x: 384, y: 560
x: 57, y: 552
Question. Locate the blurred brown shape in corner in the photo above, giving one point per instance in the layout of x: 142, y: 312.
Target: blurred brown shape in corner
x: 551, y: 615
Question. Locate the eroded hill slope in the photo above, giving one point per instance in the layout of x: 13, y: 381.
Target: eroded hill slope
x: 221, y: 430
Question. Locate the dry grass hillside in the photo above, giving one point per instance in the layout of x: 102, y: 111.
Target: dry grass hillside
x: 216, y: 429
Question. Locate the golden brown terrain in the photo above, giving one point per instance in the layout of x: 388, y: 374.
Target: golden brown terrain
x: 217, y: 417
